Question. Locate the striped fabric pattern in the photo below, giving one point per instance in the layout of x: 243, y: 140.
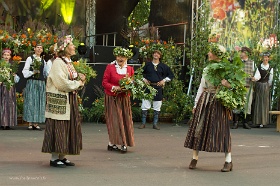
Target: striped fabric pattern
x: 119, y: 122
x: 261, y: 104
x: 248, y: 68
x: 64, y: 136
x: 210, y: 129
x: 34, y: 101
x: 8, y: 106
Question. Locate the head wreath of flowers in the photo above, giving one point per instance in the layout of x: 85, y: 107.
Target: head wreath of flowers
x: 118, y: 51
x: 218, y: 50
x: 65, y: 42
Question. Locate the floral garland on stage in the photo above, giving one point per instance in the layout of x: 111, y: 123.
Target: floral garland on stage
x: 24, y: 41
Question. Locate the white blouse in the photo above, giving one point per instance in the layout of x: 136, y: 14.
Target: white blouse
x: 26, y: 72
x: 266, y: 67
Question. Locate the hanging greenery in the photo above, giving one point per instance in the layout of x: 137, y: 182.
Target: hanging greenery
x: 139, y: 15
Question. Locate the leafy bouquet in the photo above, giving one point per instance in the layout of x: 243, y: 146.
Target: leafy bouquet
x: 82, y: 67
x: 5, y: 74
x: 138, y: 88
x: 232, y: 71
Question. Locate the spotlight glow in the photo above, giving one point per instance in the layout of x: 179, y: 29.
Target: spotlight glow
x: 67, y: 9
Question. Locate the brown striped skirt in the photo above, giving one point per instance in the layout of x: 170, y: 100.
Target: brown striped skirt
x: 64, y: 136
x: 209, y: 130
x: 119, y: 122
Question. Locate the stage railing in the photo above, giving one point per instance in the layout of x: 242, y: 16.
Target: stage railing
x: 105, y: 38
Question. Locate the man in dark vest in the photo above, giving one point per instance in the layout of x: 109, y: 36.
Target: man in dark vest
x: 253, y: 76
x: 156, y: 74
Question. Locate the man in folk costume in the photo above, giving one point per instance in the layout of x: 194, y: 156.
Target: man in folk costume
x: 253, y: 76
x: 156, y: 74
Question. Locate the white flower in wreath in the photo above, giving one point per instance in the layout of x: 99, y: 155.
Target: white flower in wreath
x: 67, y: 40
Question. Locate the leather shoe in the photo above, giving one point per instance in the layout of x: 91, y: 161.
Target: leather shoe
x: 67, y: 162
x: 246, y: 126
x: 227, y: 167
x: 56, y: 164
x: 36, y: 127
x: 235, y: 126
x: 123, y: 149
x: 156, y: 127
x: 141, y: 126
x: 112, y: 148
x: 193, y: 164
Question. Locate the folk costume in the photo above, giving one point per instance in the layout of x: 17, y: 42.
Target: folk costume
x: 35, y: 91
x: 8, y: 110
x: 209, y: 129
x: 251, y: 71
x: 262, y: 96
x: 118, y: 114
x: 155, y: 73
x: 8, y: 105
x: 63, y: 135
x: 63, y: 127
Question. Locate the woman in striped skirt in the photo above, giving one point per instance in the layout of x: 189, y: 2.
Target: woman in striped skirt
x: 63, y: 134
x: 210, y: 129
x: 8, y: 105
x: 118, y: 112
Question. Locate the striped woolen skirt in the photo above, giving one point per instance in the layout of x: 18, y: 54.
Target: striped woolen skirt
x: 119, y: 122
x: 34, y: 101
x: 64, y: 136
x: 209, y: 130
x: 8, y: 106
x: 261, y: 105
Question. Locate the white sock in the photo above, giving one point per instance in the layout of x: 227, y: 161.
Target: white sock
x: 195, y: 154
x: 228, y: 157
x: 54, y: 156
x: 110, y: 144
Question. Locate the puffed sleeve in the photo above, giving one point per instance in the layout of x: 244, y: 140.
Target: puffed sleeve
x: 26, y: 69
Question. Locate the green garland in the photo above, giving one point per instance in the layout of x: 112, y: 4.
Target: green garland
x: 137, y: 87
x: 217, y: 50
x: 232, y: 71
x: 119, y: 51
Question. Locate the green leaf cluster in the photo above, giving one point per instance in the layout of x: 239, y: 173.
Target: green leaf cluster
x: 6, y: 76
x: 232, y: 71
x: 137, y: 87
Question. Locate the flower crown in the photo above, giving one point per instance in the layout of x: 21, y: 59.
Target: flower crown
x: 65, y: 42
x: 218, y: 50
x: 118, y: 51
